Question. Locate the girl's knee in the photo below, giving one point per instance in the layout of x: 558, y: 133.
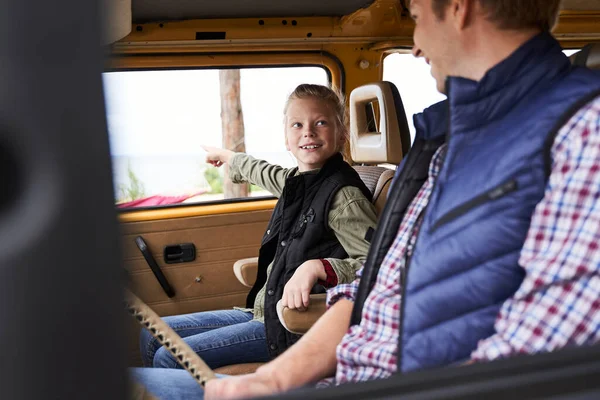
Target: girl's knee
x: 145, y: 338
x: 164, y: 359
x: 148, y: 345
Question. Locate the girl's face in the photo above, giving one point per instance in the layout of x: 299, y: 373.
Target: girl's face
x: 311, y: 132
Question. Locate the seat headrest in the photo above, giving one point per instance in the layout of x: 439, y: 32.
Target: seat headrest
x: 116, y: 20
x: 379, y: 130
x: 588, y: 57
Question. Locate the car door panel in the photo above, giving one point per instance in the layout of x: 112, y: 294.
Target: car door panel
x: 208, y: 282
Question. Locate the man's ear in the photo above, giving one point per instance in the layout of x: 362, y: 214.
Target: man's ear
x: 461, y: 12
x: 287, y: 146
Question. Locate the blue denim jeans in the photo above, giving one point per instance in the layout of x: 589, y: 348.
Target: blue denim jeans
x: 220, y: 337
x: 168, y: 384
x: 176, y: 384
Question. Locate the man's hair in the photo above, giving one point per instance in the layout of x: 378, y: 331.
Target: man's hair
x: 332, y: 97
x: 513, y: 14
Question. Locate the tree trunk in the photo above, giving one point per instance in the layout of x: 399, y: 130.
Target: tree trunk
x: 232, y: 123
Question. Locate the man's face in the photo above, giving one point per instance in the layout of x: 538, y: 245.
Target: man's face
x: 435, y: 40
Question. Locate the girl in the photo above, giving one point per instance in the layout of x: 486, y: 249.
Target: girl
x: 315, y: 238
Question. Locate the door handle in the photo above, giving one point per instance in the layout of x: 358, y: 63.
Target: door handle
x: 178, y: 253
x: 162, y: 280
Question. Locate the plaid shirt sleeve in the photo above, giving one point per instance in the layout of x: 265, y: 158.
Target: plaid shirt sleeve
x: 558, y: 303
x: 344, y: 291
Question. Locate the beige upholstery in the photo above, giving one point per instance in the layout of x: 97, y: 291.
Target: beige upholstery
x: 386, y: 141
x: 245, y: 271
x: 378, y: 180
x: 300, y: 322
x: 588, y: 57
x: 382, y: 141
x: 116, y: 20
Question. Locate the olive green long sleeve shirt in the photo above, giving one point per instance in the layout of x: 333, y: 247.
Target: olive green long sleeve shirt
x: 350, y: 216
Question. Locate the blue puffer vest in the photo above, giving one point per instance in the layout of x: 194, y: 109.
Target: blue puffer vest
x: 465, y: 261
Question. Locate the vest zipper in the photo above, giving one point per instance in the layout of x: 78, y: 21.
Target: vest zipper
x: 411, y: 245
x: 404, y: 276
x: 491, y: 195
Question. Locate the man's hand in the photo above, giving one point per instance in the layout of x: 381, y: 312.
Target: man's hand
x: 241, y: 386
x: 217, y: 156
x: 312, y: 358
x: 296, y: 293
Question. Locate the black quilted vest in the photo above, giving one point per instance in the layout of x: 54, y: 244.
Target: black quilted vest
x: 299, y: 231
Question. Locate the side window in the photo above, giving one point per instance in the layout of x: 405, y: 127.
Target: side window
x: 157, y: 121
x: 412, y: 77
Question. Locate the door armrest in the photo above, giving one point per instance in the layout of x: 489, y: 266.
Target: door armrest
x: 245, y: 271
x: 299, y: 322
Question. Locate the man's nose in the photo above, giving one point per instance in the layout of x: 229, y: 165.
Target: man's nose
x: 417, y: 52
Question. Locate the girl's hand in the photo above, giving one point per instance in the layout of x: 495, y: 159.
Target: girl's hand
x: 296, y: 292
x: 217, y: 156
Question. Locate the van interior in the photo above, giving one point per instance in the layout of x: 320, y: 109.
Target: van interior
x: 105, y: 108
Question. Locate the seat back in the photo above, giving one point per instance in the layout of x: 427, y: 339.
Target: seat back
x: 588, y: 57
x: 379, y: 134
x: 378, y: 181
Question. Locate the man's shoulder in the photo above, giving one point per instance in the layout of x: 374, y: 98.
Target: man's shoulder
x: 592, y: 106
x: 588, y: 114
x: 580, y: 126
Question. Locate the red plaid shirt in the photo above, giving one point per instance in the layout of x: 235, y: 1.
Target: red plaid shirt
x: 558, y: 302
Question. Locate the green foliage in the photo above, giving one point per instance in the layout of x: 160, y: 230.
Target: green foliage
x: 214, y: 179
x: 135, y: 190
x: 254, y: 188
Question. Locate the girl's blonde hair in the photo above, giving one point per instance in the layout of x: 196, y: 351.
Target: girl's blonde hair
x: 332, y: 97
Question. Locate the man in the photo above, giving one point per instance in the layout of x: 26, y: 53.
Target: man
x: 495, y: 252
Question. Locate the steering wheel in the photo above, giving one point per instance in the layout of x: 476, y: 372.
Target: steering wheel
x: 166, y: 336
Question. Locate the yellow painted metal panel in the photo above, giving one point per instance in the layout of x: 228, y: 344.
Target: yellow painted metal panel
x: 359, y: 41
x: 383, y: 21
